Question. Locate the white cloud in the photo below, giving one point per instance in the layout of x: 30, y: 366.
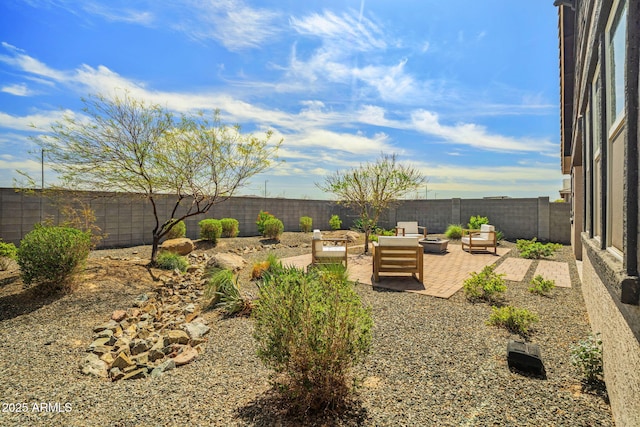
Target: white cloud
x: 230, y: 22
x: 28, y: 64
x: 475, y: 135
x: 20, y: 89
x: 350, y: 30
x: 33, y: 122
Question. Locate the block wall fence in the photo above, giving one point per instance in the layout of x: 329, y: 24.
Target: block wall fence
x: 128, y: 219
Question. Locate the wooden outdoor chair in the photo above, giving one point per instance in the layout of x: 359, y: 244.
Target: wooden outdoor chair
x: 397, y: 254
x: 328, y: 251
x: 411, y: 229
x: 484, y: 238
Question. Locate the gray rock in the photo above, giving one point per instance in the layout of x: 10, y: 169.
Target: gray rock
x: 227, y: 261
x: 196, y: 329
x: 92, y: 365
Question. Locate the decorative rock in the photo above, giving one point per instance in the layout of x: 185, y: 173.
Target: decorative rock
x: 92, y: 365
x: 351, y: 236
x: 138, y: 373
x: 196, y: 329
x: 187, y: 355
x: 116, y: 374
x: 178, y: 337
x: 107, y: 358
x: 118, y: 315
x: 139, y: 302
x: 122, y: 362
x: 181, y: 246
x: 163, y: 367
x: 139, y: 346
x: 111, y: 325
x: 227, y: 261
x: 155, y: 354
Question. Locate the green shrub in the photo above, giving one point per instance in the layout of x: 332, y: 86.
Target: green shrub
x: 306, y: 223
x: 587, y: 357
x: 51, y: 256
x: 177, y: 231
x: 225, y: 294
x: 486, y: 285
x: 230, y: 227
x: 171, y: 261
x: 516, y: 320
x: 8, y: 252
x: 476, y: 221
x: 541, y: 286
x: 263, y: 216
x: 454, y: 231
x: 210, y: 229
x: 382, y: 232
x: 533, y: 249
x: 335, y: 222
x: 311, y: 329
x: 273, y: 228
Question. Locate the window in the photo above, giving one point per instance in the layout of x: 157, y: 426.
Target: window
x: 596, y: 152
x: 615, y: 52
x: 616, y: 57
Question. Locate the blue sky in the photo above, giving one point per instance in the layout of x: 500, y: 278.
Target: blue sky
x: 467, y: 91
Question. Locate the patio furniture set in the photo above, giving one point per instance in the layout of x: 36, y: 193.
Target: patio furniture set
x: 402, y: 253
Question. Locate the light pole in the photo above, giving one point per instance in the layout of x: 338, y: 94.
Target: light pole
x: 265, y: 194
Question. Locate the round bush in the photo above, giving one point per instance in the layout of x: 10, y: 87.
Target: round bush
x: 210, y: 229
x: 171, y: 261
x: 454, y: 231
x: 8, y: 252
x: 335, y: 222
x: 51, y: 255
x: 177, y: 231
x: 230, y: 227
x: 273, y: 228
x: 306, y: 223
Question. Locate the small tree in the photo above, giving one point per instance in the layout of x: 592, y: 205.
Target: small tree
x: 373, y: 188
x: 124, y: 144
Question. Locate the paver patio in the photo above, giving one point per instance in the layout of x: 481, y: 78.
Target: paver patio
x: 556, y: 271
x: 443, y: 273
x: 514, y: 268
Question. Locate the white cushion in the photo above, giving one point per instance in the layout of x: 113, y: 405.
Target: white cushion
x: 397, y: 241
x: 410, y: 227
x: 484, y: 231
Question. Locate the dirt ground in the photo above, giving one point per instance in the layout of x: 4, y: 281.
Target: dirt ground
x: 127, y: 268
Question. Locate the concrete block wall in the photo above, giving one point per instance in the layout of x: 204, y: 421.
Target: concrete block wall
x: 128, y: 219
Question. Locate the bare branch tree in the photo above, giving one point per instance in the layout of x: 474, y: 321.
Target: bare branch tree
x: 126, y: 145
x: 373, y: 188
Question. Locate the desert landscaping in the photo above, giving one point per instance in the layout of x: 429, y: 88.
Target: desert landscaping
x: 433, y: 361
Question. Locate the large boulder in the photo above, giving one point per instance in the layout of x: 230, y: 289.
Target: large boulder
x: 227, y: 261
x: 180, y: 246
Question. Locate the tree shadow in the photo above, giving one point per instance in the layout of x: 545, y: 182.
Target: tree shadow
x: 27, y: 301
x: 271, y: 409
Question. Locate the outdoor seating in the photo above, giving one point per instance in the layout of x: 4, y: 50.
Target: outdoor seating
x: 328, y: 250
x: 397, y: 254
x: 484, y: 238
x: 411, y: 229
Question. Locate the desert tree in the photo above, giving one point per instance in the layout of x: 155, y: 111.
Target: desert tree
x: 124, y: 144
x: 372, y: 188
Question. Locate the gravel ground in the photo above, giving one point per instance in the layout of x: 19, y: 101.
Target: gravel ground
x: 433, y: 361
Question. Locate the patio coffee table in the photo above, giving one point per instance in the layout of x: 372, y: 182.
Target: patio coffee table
x: 434, y: 245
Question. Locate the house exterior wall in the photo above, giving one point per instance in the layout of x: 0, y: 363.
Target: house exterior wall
x: 601, y: 133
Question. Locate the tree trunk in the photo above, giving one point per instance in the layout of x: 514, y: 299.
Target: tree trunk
x: 154, y: 248
x: 367, y: 232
